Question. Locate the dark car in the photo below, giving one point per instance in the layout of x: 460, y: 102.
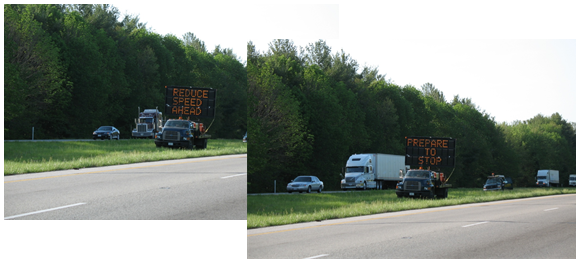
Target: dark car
x: 106, y: 132
x: 498, y: 182
x: 305, y: 183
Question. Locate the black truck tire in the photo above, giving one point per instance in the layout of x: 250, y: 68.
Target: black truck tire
x: 201, y: 144
x: 442, y: 193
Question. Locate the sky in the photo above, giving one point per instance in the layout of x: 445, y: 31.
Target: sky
x: 505, y: 56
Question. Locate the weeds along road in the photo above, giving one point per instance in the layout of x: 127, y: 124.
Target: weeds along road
x: 209, y: 188
x: 540, y: 227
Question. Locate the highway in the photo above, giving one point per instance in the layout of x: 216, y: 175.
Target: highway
x: 209, y: 188
x: 541, y: 227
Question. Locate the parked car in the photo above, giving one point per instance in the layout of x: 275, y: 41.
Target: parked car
x: 498, y: 182
x: 106, y: 132
x: 305, y: 183
x: 245, y: 139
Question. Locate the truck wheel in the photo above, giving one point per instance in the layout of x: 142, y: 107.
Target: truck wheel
x: 365, y: 186
x: 431, y: 195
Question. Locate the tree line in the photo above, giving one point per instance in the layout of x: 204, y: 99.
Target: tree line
x: 69, y: 69
x: 309, y: 109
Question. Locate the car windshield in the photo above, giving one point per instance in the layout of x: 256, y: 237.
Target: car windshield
x: 303, y: 179
x: 105, y: 128
x: 493, y: 181
x: 418, y: 174
x: 355, y: 169
x: 178, y: 124
x: 541, y: 177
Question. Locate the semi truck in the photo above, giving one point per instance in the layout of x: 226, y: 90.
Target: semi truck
x: 572, y: 180
x: 148, y: 123
x: 431, y: 152
x: 547, y: 178
x: 372, y: 171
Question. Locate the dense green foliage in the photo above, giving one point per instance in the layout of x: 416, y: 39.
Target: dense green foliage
x: 310, y: 109
x: 69, y: 69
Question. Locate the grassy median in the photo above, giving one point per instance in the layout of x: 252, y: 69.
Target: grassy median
x: 272, y: 210
x: 27, y: 157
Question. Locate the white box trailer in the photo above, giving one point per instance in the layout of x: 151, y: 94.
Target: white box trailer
x: 369, y: 171
x: 388, y: 170
x: 547, y: 178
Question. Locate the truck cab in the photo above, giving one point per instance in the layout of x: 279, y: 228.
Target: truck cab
x: 572, y: 180
x: 148, y: 124
x: 359, y: 173
x: 183, y: 134
x: 422, y: 183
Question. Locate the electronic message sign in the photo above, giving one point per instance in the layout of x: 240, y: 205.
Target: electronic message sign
x: 430, y: 151
x: 190, y: 101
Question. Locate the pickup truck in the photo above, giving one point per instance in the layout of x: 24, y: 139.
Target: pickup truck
x: 423, y: 183
x: 183, y: 134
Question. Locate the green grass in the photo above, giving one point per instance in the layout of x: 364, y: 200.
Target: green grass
x: 272, y: 210
x: 27, y: 157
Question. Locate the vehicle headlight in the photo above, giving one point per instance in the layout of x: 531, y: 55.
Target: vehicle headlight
x: 343, y: 181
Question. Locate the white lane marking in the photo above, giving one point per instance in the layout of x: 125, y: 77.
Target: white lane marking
x: 236, y: 175
x: 318, y: 256
x: 550, y: 209
x: 45, y: 210
x: 479, y: 223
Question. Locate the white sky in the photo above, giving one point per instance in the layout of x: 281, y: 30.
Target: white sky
x: 498, y: 53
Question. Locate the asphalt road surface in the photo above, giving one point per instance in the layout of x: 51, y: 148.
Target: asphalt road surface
x: 542, y: 227
x: 209, y: 188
